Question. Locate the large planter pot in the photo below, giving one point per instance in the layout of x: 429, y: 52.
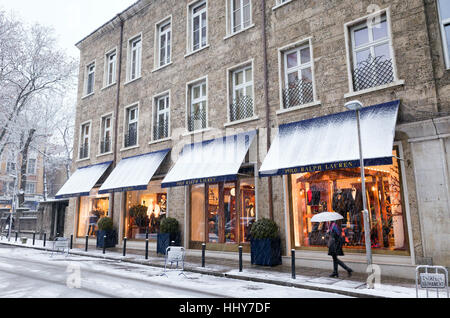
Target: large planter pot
x: 111, y: 239
x: 164, y: 240
x: 266, y: 252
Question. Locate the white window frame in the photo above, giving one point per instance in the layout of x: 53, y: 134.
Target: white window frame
x: 204, y: 98
x: 103, y: 131
x: 241, y: 8
x: 138, y: 63
x: 445, y: 41
x: 231, y: 89
x: 349, y: 52
x: 108, y: 72
x: 156, y: 112
x: 158, y: 35
x: 191, y: 7
x: 33, y: 172
x: 282, y: 66
x: 127, y: 123
x: 88, y: 72
x: 280, y: 3
x: 27, y: 190
x: 83, y: 135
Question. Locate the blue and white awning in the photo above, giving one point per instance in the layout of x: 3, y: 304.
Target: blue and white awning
x: 83, y: 180
x: 210, y: 161
x: 331, y: 142
x: 133, y: 173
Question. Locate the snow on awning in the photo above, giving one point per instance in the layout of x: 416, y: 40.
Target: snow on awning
x: 210, y: 161
x: 331, y: 142
x: 133, y: 173
x: 82, y: 181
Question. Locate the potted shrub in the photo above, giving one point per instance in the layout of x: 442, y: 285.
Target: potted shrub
x: 265, y: 243
x: 169, y: 231
x: 140, y: 218
x: 106, y: 227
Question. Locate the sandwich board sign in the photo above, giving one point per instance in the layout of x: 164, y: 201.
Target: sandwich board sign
x: 431, y: 277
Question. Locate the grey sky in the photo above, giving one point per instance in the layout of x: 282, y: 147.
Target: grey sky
x: 71, y: 19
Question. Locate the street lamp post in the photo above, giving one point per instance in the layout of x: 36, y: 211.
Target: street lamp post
x: 13, y: 206
x: 357, y: 106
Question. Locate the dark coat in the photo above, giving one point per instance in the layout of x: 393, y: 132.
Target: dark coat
x: 335, y: 242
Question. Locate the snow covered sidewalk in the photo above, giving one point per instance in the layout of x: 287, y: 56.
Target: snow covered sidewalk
x: 324, y: 284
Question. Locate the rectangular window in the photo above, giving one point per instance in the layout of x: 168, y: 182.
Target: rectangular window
x: 144, y: 212
x: 30, y: 188
x: 199, y: 26
x: 165, y: 43
x: 197, y: 112
x: 241, y: 15
x: 106, y: 134
x: 162, y: 118
x: 135, y: 58
x: 92, y: 209
x: 340, y: 191
x: 131, y: 132
x: 444, y: 20
x: 31, y: 167
x: 298, y: 77
x: 371, y: 48
x: 11, y: 167
x: 90, y: 78
x: 229, y: 215
x: 84, y: 141
x: 111, y: 62
x: 242, y: 94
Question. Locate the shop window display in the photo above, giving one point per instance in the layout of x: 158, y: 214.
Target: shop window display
x: 222, y: 217
x: 145, y: 211
x: 92, y: 209
x: 340, y: 191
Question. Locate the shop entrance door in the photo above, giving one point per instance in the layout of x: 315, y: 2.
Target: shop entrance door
x: 221, y: 213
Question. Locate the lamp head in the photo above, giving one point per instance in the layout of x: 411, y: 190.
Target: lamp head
x: 354, y: 105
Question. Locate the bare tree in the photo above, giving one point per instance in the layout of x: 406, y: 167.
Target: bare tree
x: 30, y: 65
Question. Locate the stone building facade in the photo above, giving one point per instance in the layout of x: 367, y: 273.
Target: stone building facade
x: 318, y: 42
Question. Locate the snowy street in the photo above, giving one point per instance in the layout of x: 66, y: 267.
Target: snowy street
x: 30, y: 273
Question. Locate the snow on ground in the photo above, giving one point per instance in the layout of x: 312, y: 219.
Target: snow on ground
x: 116, y: 278
x: 383, y: 290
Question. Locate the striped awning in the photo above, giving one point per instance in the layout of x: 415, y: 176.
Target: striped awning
x: 331, y: 142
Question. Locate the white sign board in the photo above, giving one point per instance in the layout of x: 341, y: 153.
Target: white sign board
x: 432, y: 280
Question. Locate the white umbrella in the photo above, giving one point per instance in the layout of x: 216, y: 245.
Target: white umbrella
x: 326, y: 217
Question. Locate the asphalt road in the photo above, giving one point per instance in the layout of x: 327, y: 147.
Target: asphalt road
x: 35, y: 274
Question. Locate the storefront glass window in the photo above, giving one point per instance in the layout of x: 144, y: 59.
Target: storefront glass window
x: 92, y: 209
x: 226, y: 221
x: 340, y: 191
x: 198, y: 213
x: 144, y: 211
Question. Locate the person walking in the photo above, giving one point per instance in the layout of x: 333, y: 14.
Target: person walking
x: 335, y: 244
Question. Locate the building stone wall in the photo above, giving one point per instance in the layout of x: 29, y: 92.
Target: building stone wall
x: 424, y: 89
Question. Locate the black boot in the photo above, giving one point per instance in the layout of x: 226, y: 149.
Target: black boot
x: 350, y: 272
x: 335, y: 274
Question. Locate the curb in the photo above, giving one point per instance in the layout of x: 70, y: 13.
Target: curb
x: 212, y: 273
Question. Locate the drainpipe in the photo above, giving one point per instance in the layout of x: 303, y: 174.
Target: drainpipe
x: 266, y: 100
x: 116, y: 113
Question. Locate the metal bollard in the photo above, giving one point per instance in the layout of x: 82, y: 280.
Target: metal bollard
x: 16, y: 235
x: 172, y: 243
x: 71, y: 241
x: 104, y: 244
x: 146, y: 249
x: 203, y: 254
x: 293, y: 263
x: 146, y: 233
x: 124, y: 246
x: 240, y: 258
x: 34, y: 238
x: 87, y: 243
x: 45, y: 238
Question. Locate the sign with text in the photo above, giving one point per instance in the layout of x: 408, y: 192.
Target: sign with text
x: 432, y: 280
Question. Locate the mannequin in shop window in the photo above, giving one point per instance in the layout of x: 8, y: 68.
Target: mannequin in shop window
x: 93, y: 219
